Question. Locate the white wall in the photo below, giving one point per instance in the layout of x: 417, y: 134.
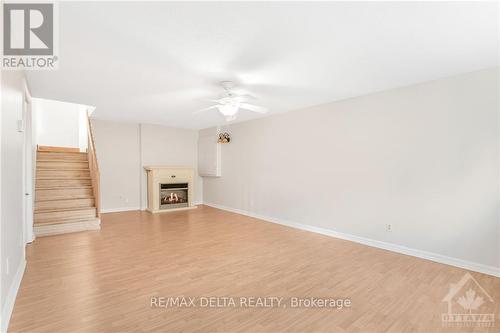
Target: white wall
x: 123, y: 149
x: 12, y: 193
x: 118, y: 155
x: 170, y: 146
x: 60, y: 124
x: 422, y: 158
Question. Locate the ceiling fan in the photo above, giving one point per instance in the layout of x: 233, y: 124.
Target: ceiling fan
x: 231, y: 103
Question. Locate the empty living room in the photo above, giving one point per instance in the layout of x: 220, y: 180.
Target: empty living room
x: 250, y: 166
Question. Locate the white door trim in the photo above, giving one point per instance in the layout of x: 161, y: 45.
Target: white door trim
x: 28, y: 173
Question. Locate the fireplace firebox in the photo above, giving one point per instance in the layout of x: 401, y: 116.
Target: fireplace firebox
x: 174, y: 195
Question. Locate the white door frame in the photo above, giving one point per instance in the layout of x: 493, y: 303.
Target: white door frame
x: 28, y: 173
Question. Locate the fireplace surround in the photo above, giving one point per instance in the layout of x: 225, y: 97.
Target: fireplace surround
x: 169, y: 188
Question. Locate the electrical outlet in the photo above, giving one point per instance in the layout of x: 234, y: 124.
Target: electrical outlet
x: 388, y: 227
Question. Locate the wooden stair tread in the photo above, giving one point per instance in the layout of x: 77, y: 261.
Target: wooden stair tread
x: 58, y: 149
x: 62, y: 200
x: 68, y: 209
x: 64, y: 221
x: 62, y: 177
x: 42, y: 156
x: 52, y: 215
x: 63, y: 187
x: 91, y: 196
x: 61, y: 152
x: 59, y: 175
x: 66, y: 227
x: 60, y: 160
x: 65, y: 165
x: 63, y: 216
x: 65, y: 203
x: 60, y: 168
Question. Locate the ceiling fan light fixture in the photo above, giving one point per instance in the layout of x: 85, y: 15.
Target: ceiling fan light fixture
x: 229, y: 109
x: 231, y: 103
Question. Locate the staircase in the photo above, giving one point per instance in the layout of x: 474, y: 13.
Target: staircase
x: 64, y: 194
x: 67, y: 189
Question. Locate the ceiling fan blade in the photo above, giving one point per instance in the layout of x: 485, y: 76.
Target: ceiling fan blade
x: 253, y: 108
x: 244, y: 97
x: 205, y: 109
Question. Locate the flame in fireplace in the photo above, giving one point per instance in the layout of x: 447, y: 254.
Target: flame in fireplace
x: 173, y: 198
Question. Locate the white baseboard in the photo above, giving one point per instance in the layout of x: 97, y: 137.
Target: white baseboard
x: 476, y: 267
x: 126, y: 209
x: 121, y: 209
x: 11, y: 296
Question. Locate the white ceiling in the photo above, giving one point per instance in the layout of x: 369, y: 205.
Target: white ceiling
x: 156, y: 62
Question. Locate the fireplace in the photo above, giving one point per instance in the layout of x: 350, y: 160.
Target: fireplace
x: 170, y: 188
x: 174, y: 195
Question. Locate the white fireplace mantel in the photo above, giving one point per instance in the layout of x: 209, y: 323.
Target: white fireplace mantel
x: 168, y: 175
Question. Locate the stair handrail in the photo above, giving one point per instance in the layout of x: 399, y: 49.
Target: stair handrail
x: 94, y: 167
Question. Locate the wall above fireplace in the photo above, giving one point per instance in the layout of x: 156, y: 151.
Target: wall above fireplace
x: 169, y: 188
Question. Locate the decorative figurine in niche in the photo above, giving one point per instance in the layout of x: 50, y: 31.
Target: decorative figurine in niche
x: 224, y: 138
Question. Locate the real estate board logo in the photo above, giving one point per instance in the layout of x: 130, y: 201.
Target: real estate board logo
x: 469, y: 305
x: 29, y: 36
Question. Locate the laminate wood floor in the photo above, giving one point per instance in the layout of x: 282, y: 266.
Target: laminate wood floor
x: 103, y: 281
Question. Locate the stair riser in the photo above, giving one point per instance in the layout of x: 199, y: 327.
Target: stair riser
x: 62, y: 204
x: 55, y: 194
x: 62, y: 173
x: 63, y: 215
x: 62, y: 165
x: 55, y: 149
x: 55, y: 229
x: 62, y: 182
x: 61, y: 156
